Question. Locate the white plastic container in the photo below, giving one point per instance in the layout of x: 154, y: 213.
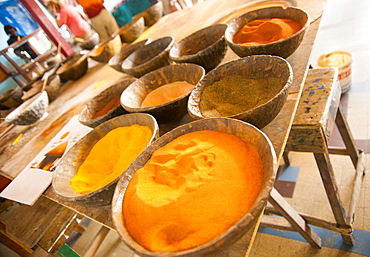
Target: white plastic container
x: 343, y: 61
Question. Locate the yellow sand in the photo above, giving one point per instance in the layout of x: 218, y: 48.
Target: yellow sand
x: 110, y: 157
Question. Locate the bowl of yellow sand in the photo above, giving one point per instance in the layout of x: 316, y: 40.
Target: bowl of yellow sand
x: 116, y: 61
x: 105, y: 106
x: 149, y: 57
x: 217, y: 169
x: 106, y: 50
x: 88, y: 173
x: 253, y: 89
x: 206, y: 47
x: 273, y: 30
x: 164, y: 92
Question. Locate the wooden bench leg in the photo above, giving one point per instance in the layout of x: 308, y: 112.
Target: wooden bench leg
x: 331, y: 188
x: 347, y: 137
x: 293, y: 217
x: 286, y: 158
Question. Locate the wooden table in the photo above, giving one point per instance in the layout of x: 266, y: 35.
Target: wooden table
x: 74, y: 95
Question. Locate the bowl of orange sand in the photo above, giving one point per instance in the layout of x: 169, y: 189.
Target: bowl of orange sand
x: 220, y: 170
x: 88, y: 173
x: 105, y: 105
x: 272, y: 30
x: 164, y: 92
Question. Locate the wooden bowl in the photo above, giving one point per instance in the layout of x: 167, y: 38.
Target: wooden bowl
x: 53, y: 87
x: 11, y: 98
x: 132, y: 30
x: 90, y: 42
x: 284, y: 47
x: 76, y: 155
x: 133, y: 96
x: 74, y: 67
x: 149, y: 57
x: 255, y: 66
x: 30, y: 111
x: 206, y: 47
x: 105, y: 105
x: 245, y: 131
x: 116, y: 61
x: 152, y: 14
x: 105, y: 50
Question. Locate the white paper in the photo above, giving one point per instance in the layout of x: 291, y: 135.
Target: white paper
x: 28, y: 186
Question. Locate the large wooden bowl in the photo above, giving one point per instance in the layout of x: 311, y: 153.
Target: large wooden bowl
x: 29, y: 111
x: 133, y: 96
x: 284, y: 47
x: 256, y: 66
x: 132, y: 30
x: 245, y: 131
x: 93, y: 114
x: 75, y: 156
x: 116, y: 61
x: 149, y: 57
x: 206, y: 47
x: 74, y: 67
x: 105, y: 50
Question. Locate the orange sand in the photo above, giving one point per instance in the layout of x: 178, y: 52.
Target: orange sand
x: 110, y: 157
x: 167, y: 93
x: 264, y: 31
x: 191, y: 191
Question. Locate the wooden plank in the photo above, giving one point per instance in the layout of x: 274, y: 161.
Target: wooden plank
x: 331, y: 188
x: 318, y: 222
x: 13, y: 244
x: 357, y: 185
x: 347, y: 137
x: 29, y: 223
x: 297, y: 222
x: 97, y: 242
x: 276, y: 223
x: 57, y: 231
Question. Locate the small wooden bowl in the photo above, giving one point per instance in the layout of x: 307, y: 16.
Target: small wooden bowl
x: 74, y: 67
x: 132, y: 30
x: 105, y: 50
x: 90, y: 42
x: 255, y: 66
x: 11, y: 98
x: 30, y: 111
x: 245, y: 131
x: 116, y: 61
x: 53, y: 87
x: 149, y: 57
x: 284, y: 47
x: 89, y: 115
x: 152, y: 14
x: 76, y: 155
x: 206, y: 47
x: 133, y: 96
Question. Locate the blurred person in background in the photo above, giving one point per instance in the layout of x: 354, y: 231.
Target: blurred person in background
x: 101, y: 20
x: 24, y: 51
x: 70, y: 16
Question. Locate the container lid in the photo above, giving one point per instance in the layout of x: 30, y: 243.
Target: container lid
x: 337, y: 59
